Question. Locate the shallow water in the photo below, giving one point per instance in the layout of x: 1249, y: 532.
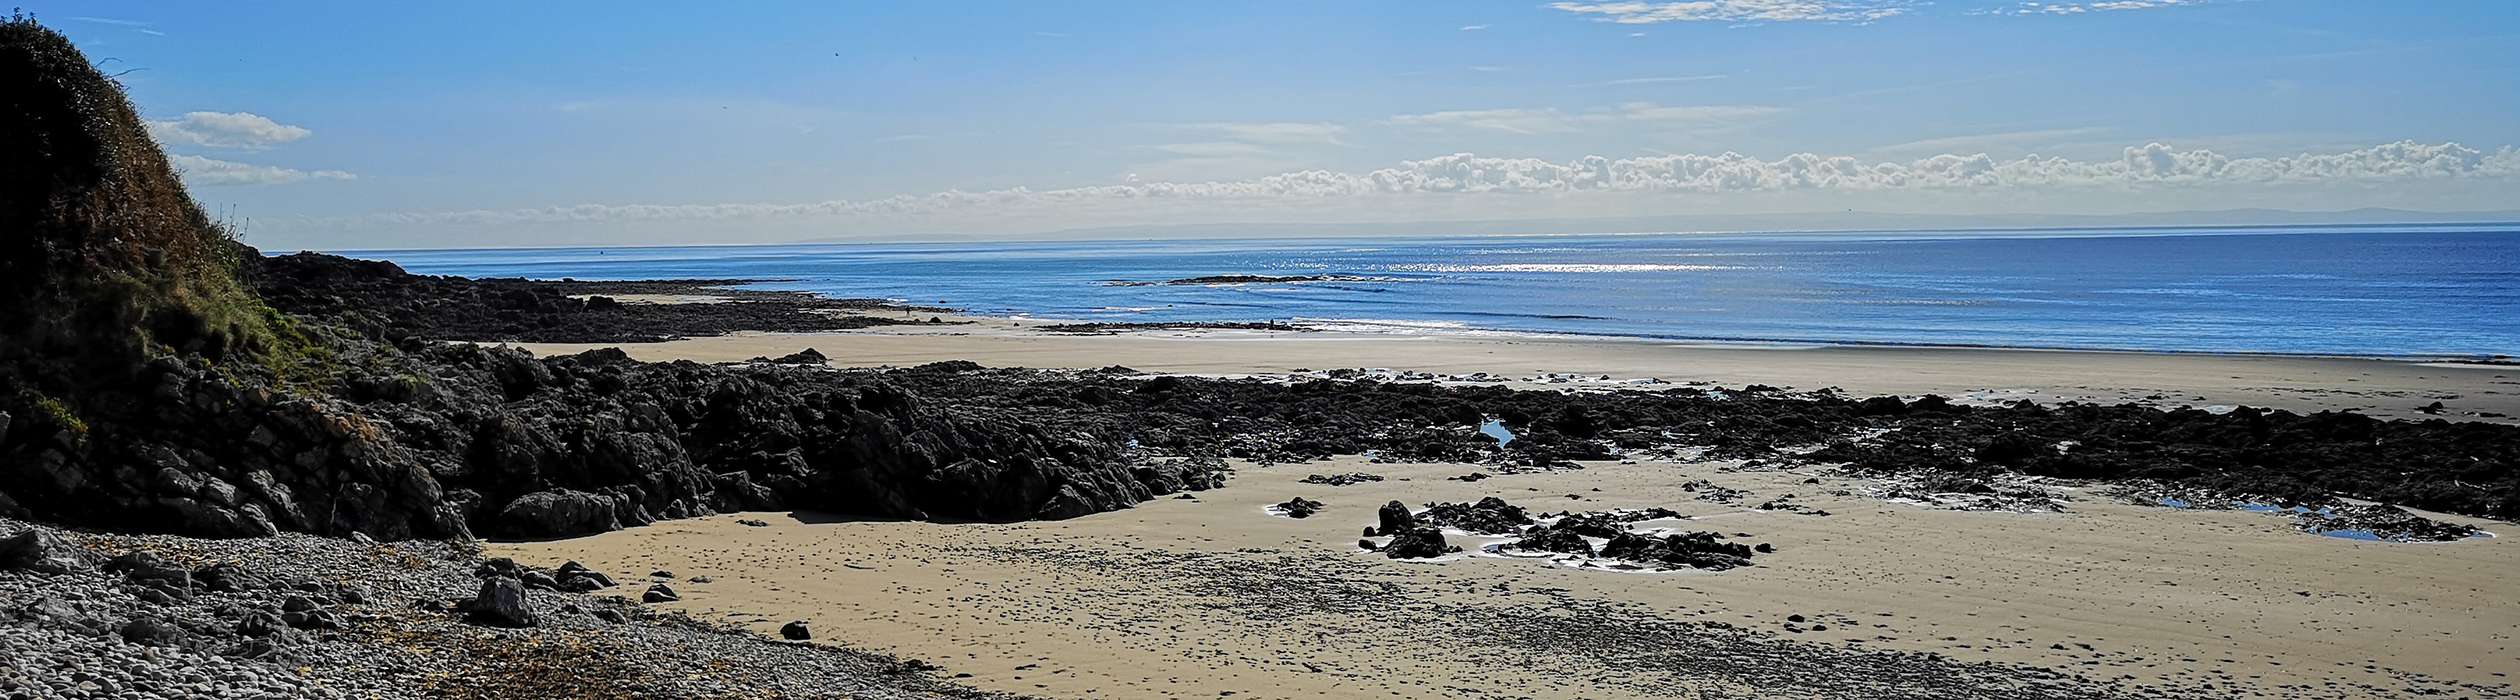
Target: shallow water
x: 2417, y: 290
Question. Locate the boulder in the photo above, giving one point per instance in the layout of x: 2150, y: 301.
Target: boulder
x: 1418, y: 543
x: 1394, y: 518
x: 796, y: 631
x: 660, y: 593
x: 42, y: 552
x: 558, y: 513
x: 501, y: 603
x: 1299, y: 507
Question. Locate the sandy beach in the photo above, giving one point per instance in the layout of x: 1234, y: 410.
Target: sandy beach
x: 2376, y: 387
x: 1212, y: 596
x: 1209, y: 596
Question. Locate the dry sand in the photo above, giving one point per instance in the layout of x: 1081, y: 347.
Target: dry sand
x: 1195, y: 598
x: 1204, y: 597
x: 2389, y: 388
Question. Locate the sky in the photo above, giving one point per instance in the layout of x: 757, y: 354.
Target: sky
x: 332, y: 125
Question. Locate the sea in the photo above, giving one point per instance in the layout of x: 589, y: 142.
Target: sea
x: 2435, y: 291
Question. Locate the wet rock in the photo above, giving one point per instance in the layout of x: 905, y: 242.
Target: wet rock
x: 1342, y: 479
x: 1697, y: 550
x: 1298, y: 507
x: 795, y: 630
x: 1418, y: 543
x: 1490, y: 515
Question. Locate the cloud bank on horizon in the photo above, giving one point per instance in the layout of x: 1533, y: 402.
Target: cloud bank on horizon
x: 2149, y: 165
x: 816, y: 121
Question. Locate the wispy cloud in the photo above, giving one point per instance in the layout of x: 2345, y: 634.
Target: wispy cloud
x: 111, y: 21
x: 1473, y: 27
x: 1280, y: 133
x: 901, y: 138
x: 2077, y: 8
x: 198, y: 170
x: 1488, y: 69
x: 1979, y: 142
x: 2149, y: 165
x: 1550, y: 120
x: 1655, y: 80
x: 1738, y: 11
x: 245, y: 130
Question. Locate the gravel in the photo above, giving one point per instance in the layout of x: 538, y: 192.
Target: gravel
x: 297, y: 616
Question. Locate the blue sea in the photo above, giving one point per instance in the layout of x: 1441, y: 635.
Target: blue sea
x: 2366, y: 290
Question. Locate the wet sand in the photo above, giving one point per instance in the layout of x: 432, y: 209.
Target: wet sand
x: 2387, y: 388
x: 1197, y: 598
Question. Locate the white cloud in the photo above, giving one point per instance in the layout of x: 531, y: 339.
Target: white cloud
x: 225, y: 130
x: 1738, y: 10
x: 1974, y: 142
x: 2150, y: 165
x: 1555, y: 121
x: 1473, y: 27
x: 1281, y: 133
x: 2077, y: 8
x: 1213, y: 149
x: 212, y: 172
x: 1661, y: 79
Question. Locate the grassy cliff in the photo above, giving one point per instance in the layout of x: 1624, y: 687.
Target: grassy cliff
x: 105, y: 261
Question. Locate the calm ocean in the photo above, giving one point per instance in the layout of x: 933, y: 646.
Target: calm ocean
x: 2372, y: 290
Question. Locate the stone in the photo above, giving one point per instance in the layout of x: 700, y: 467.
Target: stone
x: 660, y: 593
x: 558, y: 513
x: 42, y: 552
x: 1394, y: 518
x: 1418, y: 543
x: 150, y: 631
x: 501, y: 603
x: 796, y: 631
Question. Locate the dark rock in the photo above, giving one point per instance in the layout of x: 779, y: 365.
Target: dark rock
x: 501, y: 603
x: 150, y: 631
x: 1342, y: 479
x: 148, y: 571
x: 1491, y: 516
x: 752, y: 523
x: 298, y: 603
x: 558, y: 513
x: 1394, y: 518
x: 659, y: 593
x: 795, y: 630
x: 538, y: 580
x: 1299, y: 507
x: 1699, y: 550
x: 260, y: 623
x: 1418, y: 543
x: 42, y: 552
x: 226, y: 577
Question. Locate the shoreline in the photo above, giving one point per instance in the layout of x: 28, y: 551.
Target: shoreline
x: 2385, y: 388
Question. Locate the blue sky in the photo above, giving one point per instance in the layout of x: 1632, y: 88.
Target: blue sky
x: 339, y: 125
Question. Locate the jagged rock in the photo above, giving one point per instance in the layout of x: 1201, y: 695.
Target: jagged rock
x: 42, y: 552
x: 225, y: 577
x: 261, y: 623
x: 1299, y: 507
x: 1394, y: 518
x: 1701, y: 550
x: 796, y: 630
x: 1491, y: 515
x: 501, y: 603
x: 1418, y: 543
